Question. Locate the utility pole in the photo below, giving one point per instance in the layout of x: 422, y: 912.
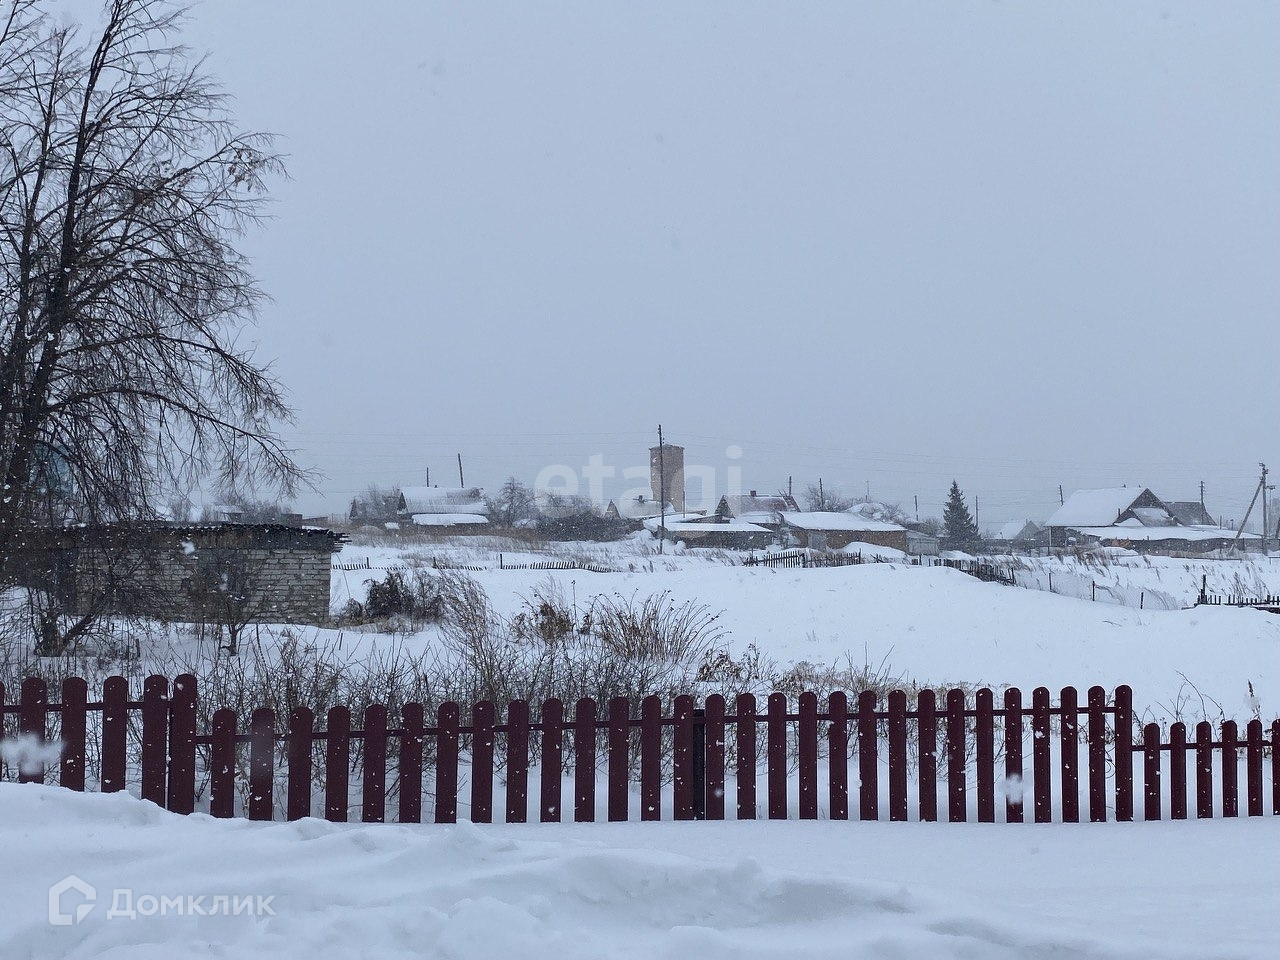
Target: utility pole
x: 822, y: 497
x: 1257, y: 490
x: 428, y: 476
x: 1061, y: 499
x: 1202, y: 494
x: 917, y: 498
x: 662, y: 493
x: 461, y: 482
x: 1266, y: 533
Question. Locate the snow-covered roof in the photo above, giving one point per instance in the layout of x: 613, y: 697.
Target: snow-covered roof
x: 766, y: 506
x: 1190, y: 512
x: 835, y: 521
x: 694, y: 527
x: 634, y: 509
x: 1140, y: 533
x: 443, y: 500
x: 702, y: 523
x: 448, y: 519
x: 1010, y: 530
x: 1154, y: 516
x: 1095, y: 508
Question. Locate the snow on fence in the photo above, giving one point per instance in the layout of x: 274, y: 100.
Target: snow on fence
x: 976, y: 751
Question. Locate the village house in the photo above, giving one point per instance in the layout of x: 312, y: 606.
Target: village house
x: 766, y: 511
x: 447, y: 509
x: 1135, y: 518
x: 716, y: 529
x: 835, y: 531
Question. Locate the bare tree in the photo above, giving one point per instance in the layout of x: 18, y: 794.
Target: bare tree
x: 513, y: 503
x: 820, y: 498
x: 124, y: 186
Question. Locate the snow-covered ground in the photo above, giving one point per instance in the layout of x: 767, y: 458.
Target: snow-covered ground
x: 750, y: 889
x: 937, y: 625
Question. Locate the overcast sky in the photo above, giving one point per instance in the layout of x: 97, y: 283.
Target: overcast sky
x: 888, y: 244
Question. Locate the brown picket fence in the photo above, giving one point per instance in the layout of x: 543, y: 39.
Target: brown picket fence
x: 710, y: 757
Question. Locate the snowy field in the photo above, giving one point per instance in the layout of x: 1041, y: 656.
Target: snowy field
x: 934, y: 625
x: 752, y: 889
x: 728, y: 889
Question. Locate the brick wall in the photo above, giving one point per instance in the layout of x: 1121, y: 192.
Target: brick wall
x: 217, y: 573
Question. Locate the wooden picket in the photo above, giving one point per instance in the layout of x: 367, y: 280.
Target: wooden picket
x: 482, y: 739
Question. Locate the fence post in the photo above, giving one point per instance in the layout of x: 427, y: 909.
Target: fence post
x: 1151, y: 771
x: 155, y: 724
x: 222, y: 784
x: 1253, y: 767
x: 746, y: 774
x: 927, y: 734
x: 1230, y: 771
x: 337, y: 764
x: 650, y: 758
x: 482, y: 718
x: 448, y: 720
x: 301, y: 738
x: 75, y: 696
x: 1275, y: 768
x: 715, y: 734
x: 1204, y: 769
x: 985, y: 745
x: 1014, y: 787
x: 517, y: 761
x: 699, y: 764
x: 262, y: 750
x: 411, y: 740
x: 182, y: 745
x: 898, y: 756
x: 1069, y: 753
x: 682, y: 760
x: 1097, y: 755
x: 1124, y: 753
x: 373, y: 792
x: 807, y: 751
x: 584, y: 761
x: 619, y: 757
x: 838, y: 756
x: 776, y: 756
x: 957, y: 801
x: 31, y: 723
x: 1178, y: 771
x: 868, y: 763
x: 1040, y: 755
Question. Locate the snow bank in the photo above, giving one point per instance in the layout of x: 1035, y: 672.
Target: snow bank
x: 642, y: 890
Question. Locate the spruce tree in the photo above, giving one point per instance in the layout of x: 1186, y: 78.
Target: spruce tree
x: 959, y: 530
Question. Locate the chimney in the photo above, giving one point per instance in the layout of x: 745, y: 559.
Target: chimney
x: 753, y: 493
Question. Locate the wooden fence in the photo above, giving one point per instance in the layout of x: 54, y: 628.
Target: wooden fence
x: 711, y: 757
x: 804, y: 559
x: 1268, y: 602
